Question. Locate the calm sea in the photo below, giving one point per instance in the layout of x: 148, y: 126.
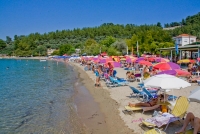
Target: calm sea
x: 37, y: 97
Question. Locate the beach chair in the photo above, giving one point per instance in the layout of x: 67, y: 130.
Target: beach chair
x: 153, y: 131
x: 128, y: 108
x: 110, y: 84
x: 178, y: 112
x: 138, y: 93
x: 120, y: 82
x: 149, y: 95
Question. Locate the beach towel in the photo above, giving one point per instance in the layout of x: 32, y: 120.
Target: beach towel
x: 161, y: 119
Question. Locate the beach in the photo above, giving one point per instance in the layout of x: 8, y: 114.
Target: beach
x: 111, y: 102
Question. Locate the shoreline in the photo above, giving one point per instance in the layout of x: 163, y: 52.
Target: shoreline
x: 107, y: 108
x: 25, y: 58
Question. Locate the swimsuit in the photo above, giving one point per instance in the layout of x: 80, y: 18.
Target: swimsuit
x: 149, y: 104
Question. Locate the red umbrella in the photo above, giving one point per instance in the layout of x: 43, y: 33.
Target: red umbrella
x: 146, y: 63
x: 151, y: 59
x: 176, y: 72
x: 182, y: 72
x: 166, y: 66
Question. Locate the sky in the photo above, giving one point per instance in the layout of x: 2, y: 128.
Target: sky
x: 22, y: 17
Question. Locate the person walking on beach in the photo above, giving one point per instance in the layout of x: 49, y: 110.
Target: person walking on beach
x: 98, y: 74
x: 110, y: 67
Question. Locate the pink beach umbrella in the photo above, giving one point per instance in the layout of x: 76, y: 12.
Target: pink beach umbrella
x: 113, y: 63
x: 146, y: 63
x: 166, y: 66
x: 161, y: 60
x: 175, y: 72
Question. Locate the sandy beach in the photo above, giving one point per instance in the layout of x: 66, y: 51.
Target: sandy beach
x: 112, y: 101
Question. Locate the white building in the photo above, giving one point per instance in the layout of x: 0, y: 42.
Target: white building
x: 184, y: 39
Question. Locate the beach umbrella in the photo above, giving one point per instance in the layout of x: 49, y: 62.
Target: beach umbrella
x: 195, y: 95
x: 102, y: 60
x: 161, y: 60
x: 176, y: 72
x: 186, y: 61
x: 122, y: 59
x: 166, y: 66
x: 146, y: 63
x: 151, y: 59
x: 165, y: 81
x: 109, y: 59
x: 139, y: 59
x: 113, y: 63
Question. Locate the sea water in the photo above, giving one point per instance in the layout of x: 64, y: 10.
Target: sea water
x: 37, y: 97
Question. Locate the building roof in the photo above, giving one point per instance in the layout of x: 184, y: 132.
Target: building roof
x: 185, y: 35
x: 186, y: 47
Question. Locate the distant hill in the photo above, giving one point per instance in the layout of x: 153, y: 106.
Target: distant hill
x: 189, y: 25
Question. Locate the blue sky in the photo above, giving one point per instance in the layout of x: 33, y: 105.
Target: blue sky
x: 22, y: 17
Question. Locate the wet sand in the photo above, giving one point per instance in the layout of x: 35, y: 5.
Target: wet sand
x: 97, y: 110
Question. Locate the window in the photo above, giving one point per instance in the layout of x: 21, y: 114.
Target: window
x: 192, y: 40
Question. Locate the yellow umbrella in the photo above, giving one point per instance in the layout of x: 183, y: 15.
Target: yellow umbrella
x: 186, y: 61
x: 122, y: 59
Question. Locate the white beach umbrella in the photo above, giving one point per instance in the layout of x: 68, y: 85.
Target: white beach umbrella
x: 195, y: 95
x: 165, y: 81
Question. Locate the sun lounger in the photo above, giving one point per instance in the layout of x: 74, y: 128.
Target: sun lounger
x: 153, y: 131
x: 149, y: 95
x: 139, y: 94
x: 178, y: 112
x: 120, y: 82
x: 128, y: 108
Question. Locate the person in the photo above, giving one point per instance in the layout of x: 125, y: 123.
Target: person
x: 110, y: 67
x: 97, y: 73
x: 154, y: 72
x: 130, y: 75
x: 194, y: 122
x: 190, y: 67
x: 150, y: 103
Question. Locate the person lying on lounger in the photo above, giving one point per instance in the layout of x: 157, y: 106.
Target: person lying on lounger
x: 130, y: 75
x: 150, y: 103
x: 193, y: 121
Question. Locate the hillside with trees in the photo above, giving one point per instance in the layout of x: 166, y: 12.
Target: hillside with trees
x: 190, y: 25
x: 108, y: 37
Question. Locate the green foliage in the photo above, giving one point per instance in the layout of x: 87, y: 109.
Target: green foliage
x: 100, y: 39
x: 112, y: 51
x: 56, y: 52
x: 108, y: 41
x: 2, y: 44
x: 66, y: 49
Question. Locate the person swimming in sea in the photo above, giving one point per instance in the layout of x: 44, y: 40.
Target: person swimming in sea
x: 7, y: 67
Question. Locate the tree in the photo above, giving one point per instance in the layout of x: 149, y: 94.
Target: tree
x: 120, y: 46
x: 56, y: 52
x: 2, y: 44
x: 112, y: 51
x: 66, y: 49
x: 8, y: 40
x: 108, y: 41
x: 159, y: 24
